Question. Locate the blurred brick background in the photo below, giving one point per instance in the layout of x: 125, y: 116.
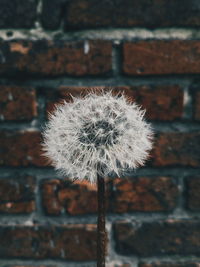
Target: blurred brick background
x: 149, y: 49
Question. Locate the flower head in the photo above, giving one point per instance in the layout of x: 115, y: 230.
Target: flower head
x: 97, y: 134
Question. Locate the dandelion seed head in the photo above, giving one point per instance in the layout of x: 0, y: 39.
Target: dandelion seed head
x: 99, y: 133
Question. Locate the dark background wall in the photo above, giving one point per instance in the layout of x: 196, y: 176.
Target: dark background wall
x: 149, y: 49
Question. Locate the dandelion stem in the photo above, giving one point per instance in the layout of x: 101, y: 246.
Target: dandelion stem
x: 101, y: 232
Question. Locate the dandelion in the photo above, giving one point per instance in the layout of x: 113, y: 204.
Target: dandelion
x: 95, y: 136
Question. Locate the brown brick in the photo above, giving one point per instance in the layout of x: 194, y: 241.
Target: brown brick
x: 21, y: 149
x: 43, y: 242
x: 55, y: 58
x: 17, y: 194
x: 118, y: 265
x: 169, y: 264
x: 161, y: 57
x: 53, y: 9
x: 160, y: 102
x: 18, y: 13
x: 76, y: 198
x: 144, y: 194
x: 128, y: 13
x: 123, y: 195
x: 17, y: 103
x: 197, y: 106
x: 158, y: 238
x: 193, y: 193
x: 181, y: 149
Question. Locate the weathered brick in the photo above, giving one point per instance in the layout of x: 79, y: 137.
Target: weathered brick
x: 144, y: 194
x: 161, y: 57
x: 51, y: 9
x: 123, y: 195
x: 55, y: 242
x: 17, y: 13
x: 128, y: 13
x: 180, y: 149
x: 193, y: 193
x: 161, y: 102
x: 79, y: 197
x: 30, y: 266
x: 197, y: 106
x: 54, y: 58
x: 21, y: 149
x: 158, y: 238
x: 17, y: 103
x: 169, y: 264
x: 17, y: 194
x: 119, y: 265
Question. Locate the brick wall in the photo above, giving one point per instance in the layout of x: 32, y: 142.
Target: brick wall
x: 51, y: 49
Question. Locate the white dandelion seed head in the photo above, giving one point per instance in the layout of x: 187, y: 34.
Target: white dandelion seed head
x: 99, y: 133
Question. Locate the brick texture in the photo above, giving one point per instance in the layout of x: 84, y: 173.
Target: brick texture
x: 74, y: 198
x: 30, y: 266
x: 144, y: 194
x: 127, y: 13
x: 55, y: 57
x: 158, y: 238
x: 181, y: 149
x: 17, y: 194
x: 55, y: 242
x: 51, y: 50
x: 17, y: 103
x: 193, y: 193
x: 197, y: 106
x: 161, y: 102
x: 21, y: 149
x: 165, y: 264
x: 17, y: 13
x: 53, y: 9
x: 123, y: 195
x: 161, y: 57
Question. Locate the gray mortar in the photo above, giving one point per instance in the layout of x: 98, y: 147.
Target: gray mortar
x: 102, y: 34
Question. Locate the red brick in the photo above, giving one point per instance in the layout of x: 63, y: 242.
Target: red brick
x: 144, y: 194
x: 75, y: 198
x: 17, y: 195
x: 193, y: 193
x: 161, y: 57
x: 123, y: 195
x: 181, y: 149
x: 180, y: 237
x: 161, y: 102
x: 53, y: 58
x: 128, y: 13
x: 17, y: 103
x: 119, y: 265
x: 18, y: 13
x: 21, y: 149
x: 169, y: 264
x: 197, y: 106
x: 51, y: 9
x: 54, y: 242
